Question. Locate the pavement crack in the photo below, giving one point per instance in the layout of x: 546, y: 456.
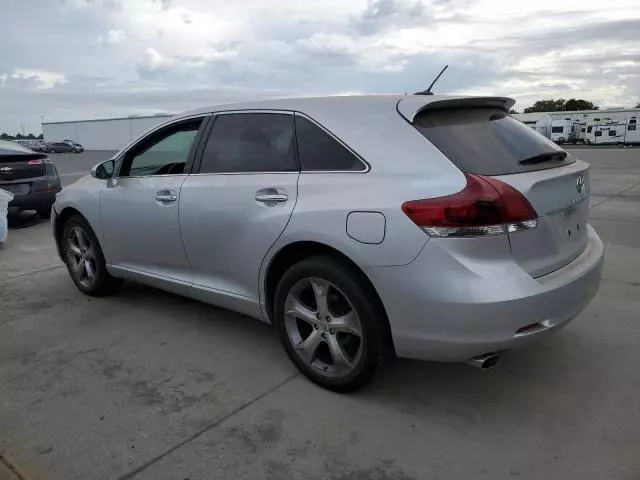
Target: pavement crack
x: 11, y: 467
x: 593, y: 207
x: 626, y: 282
x: 205, y: 429
x: 11, y: 277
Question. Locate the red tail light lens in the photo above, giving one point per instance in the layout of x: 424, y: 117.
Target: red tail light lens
x: 35, y: 162
x: 486, y: 206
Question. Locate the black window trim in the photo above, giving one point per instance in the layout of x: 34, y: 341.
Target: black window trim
x: 206, y: 134
x: 206, y: 120
x: 214, y: 115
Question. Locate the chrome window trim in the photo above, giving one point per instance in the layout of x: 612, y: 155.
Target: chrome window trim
x: 366, y: 165
x: 156, y: 176
x: 353, y: 152
x: 230, y: 112
x: 297, y: 172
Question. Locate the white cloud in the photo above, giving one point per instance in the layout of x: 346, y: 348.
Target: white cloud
x: 39, y: 79
x: 156, y: 55
x: 115, y: 36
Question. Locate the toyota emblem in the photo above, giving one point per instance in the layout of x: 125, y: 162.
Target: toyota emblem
x: 580, y: 184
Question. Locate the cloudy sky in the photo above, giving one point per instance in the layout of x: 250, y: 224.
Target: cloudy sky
x: 76, y: 59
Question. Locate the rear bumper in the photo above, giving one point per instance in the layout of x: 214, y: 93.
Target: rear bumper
x: 446, y: 306
x: 33, y: 201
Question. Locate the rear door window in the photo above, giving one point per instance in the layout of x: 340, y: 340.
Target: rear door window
x: 319, y: 151
x: 487, y: 141
x: 250, y: 142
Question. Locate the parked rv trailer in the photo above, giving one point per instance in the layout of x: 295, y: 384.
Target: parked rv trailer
x: 605, y: 134
x: 578, y: 132
x: 632, y: 133
x: 560, y: 131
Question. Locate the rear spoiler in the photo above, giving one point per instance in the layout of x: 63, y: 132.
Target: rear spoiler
x: 409, y: 107
x: 21, y: 157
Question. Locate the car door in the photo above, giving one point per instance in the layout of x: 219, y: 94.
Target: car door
x: 139, y: 208
x: 239, y: 202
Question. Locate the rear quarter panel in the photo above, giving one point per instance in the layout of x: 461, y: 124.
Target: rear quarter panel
x: 404, y: 166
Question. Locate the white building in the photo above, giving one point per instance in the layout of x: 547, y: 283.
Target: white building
x: 106, y: 134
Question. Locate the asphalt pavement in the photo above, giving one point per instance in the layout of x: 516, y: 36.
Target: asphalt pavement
x: 149, y: 385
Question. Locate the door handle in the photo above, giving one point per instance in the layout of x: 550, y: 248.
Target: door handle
x: 271, y: 196
x: 166, y: 196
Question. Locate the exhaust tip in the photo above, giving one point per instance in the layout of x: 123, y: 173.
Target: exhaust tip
x: 485, y: 362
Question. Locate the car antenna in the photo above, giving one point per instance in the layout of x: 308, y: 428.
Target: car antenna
x: 428, y: 90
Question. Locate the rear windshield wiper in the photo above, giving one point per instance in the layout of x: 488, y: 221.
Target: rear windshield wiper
x: 544, y: 157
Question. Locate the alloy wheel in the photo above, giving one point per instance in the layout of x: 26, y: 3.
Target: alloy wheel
x: 323, y: 327
x: 81, y: 256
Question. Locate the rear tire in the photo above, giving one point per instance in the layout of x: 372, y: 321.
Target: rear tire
x: 331, y: 323
x: 85, y: 260
x: 44, y: 212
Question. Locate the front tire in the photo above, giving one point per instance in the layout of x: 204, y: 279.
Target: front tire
x: 85, y: 260
x: 331, y: 323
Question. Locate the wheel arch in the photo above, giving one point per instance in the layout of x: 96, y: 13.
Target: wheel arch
x: 294, y: 252
x: 58, y: 226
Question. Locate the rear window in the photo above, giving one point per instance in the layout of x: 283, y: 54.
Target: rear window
x: 487, y: 141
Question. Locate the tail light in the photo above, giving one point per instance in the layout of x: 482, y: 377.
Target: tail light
x: 35, y: 162
x: 486, y: 206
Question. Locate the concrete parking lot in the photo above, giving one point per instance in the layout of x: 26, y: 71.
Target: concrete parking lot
x: 149, y: 385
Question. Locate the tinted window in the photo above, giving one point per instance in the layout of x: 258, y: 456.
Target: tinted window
x: 557, y: 129
x: 317, y: 150
x: 633, y: 120
x: 250, y: 142
x: 164, y: 153
x: 612, y: 133
x: 487, y: 141
x: 631, y: 127
x: 589, y: 128
x: 598, y: 133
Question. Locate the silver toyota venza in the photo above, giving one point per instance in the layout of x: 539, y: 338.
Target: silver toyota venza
x: 427, y: 227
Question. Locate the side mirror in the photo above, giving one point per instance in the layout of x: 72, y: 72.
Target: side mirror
x: 104, y: 170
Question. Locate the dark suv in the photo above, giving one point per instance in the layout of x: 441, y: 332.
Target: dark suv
x: 30, y: 176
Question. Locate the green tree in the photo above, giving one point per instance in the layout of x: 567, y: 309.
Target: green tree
x: 19, y: 136
x: 561, y: 105
x: 5, y: 136
x: 31, y: 136
x: 546, y: 106
x: 579, y: 104
x: 40, y: 137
